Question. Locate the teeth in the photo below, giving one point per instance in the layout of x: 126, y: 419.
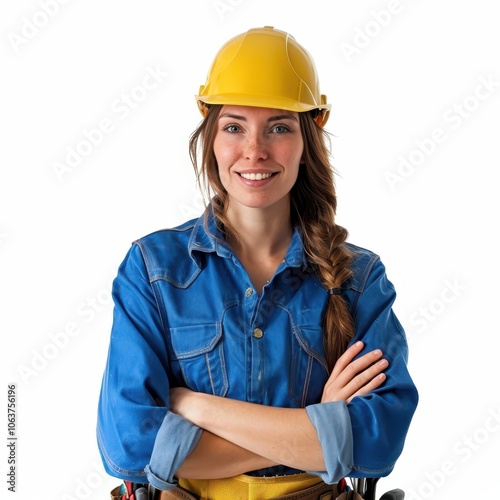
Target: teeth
x: 255, y: 177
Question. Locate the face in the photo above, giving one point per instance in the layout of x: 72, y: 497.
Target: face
x: 258, y: 152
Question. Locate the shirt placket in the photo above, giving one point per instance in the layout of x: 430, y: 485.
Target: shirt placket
x: 258, y: 341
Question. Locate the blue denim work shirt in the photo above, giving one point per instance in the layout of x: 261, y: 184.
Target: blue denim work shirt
x: 186, y: 314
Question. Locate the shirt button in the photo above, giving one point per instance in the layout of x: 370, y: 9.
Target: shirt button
x: 248, y: 292
x: 258, y: 333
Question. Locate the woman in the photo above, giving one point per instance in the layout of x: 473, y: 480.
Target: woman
x: 255, y: 343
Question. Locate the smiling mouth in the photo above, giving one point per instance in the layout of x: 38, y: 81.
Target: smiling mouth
x: 255, y: 176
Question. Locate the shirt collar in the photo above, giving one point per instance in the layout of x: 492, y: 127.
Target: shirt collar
x: 207, y: 237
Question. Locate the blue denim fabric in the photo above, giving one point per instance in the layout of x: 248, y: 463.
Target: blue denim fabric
x: 186, y: 314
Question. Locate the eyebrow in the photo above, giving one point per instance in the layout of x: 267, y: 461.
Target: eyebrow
x: 270, y: 119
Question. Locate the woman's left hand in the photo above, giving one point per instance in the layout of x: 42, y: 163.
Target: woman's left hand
x: 355, y: 377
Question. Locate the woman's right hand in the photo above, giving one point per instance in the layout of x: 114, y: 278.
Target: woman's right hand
x: 351, y: 378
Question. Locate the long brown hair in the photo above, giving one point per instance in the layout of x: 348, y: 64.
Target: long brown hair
x: 313, y: 207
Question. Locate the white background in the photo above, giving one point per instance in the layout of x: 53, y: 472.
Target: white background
x: 394, y: 71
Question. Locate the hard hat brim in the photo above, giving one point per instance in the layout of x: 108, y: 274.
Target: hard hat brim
x: 272, y: 102
x: 260, y: 101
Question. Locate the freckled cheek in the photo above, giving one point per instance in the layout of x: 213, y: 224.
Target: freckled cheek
x: 224, y: 154
x: 293, y: 152
x: 224, y: 166
x: 293, y: 163
x: 226, y: 158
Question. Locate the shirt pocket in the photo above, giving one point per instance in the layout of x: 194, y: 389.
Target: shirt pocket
x: 308, y: 369
x: 199, y: 351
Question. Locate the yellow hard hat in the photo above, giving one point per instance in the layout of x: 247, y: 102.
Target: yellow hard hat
x: 267, y: 68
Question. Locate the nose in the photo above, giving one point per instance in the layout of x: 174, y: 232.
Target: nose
x: 255, y: 148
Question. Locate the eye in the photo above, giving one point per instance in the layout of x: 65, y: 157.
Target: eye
x: 232, y: 128
x: 281, y: 129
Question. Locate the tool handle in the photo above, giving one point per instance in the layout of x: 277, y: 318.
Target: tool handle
x: 141, y: 494
x: 396, y: 494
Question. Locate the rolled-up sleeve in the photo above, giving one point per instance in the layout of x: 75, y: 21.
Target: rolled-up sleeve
x: 166, y: 459
x: 380, y: 420
x: 333, y: 427
x: 133, y: 409
x: 366, y: 437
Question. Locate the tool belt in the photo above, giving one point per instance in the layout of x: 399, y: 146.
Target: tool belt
x: 243, y: 487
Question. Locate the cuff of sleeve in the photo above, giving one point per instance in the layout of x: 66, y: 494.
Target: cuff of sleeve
x: 333, y: 426
x: 175, y: 440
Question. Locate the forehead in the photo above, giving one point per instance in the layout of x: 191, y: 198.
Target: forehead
x: 251, y: 112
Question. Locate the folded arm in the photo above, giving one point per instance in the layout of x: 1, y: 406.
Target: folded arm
x: 270, y: 435
x: 215, y: 457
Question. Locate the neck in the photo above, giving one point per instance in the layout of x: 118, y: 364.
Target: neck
x: 260, y: 233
